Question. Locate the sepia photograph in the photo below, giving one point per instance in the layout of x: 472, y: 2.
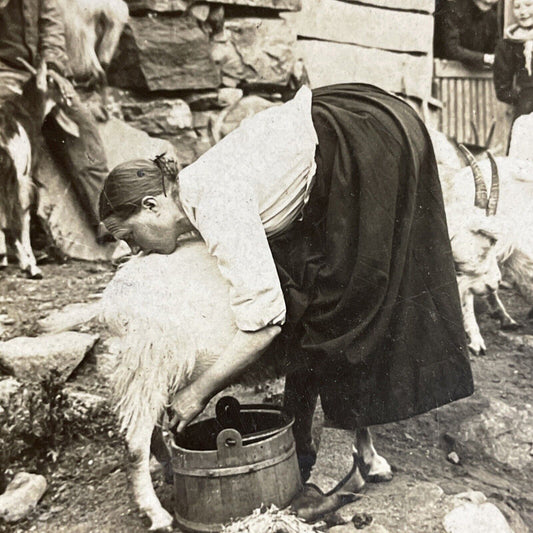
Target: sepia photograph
x: 266, y: 266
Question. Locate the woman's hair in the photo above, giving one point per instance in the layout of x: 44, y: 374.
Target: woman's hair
x: 128, y: 183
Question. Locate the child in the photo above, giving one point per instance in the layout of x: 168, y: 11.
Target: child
x: 513, y: 65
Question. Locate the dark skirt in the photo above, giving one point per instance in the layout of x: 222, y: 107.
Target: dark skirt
x: 373, y: 309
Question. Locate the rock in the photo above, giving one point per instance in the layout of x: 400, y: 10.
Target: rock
x: 33, y: 358
x: 21, y: 496
x: 124, y: 142
x: 8, y: 387
x: 158, y: 116
x: 343, y: 528
x: 502, y: 431
x: 228, y: 96
x: 476, y: 518
x: 470, y: 496
x: 85, y: 403
x: 136, y: 6
x: 68, y: 317
x: 158, y: 53
x: 256, y: 50
x: 453, y: 458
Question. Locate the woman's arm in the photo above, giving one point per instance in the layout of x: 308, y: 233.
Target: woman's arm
x: 244, y: 349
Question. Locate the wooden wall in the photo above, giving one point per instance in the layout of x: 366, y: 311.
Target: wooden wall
x: 384, y: 42
x: 470, y: 109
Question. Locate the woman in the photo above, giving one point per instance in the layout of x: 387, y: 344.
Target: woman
x: 326, y: 216
x: 513, y: 67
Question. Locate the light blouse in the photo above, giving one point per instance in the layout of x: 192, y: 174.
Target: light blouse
x: 252, y: 185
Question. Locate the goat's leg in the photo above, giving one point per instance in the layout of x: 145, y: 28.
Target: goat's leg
x: 376, y: 467
x: 476, y: 344
x: 138, y: 442
x: 3, y: 250
x: 499, y: 311
x: 160, y: 452
x: 24, y: 251
x: 301, y: 394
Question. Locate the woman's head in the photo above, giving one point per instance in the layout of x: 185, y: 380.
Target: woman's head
x: 523, y: 12
x: 139, y: 204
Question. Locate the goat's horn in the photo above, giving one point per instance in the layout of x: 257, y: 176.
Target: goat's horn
x: 492, y: 204
x: 481, y: 188
x: 27, y: 66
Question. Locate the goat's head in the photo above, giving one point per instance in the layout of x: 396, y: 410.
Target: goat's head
x: 474, y: 244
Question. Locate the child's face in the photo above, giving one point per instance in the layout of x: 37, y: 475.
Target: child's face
x: 523, y: 11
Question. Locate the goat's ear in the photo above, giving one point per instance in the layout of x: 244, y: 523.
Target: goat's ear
x: 490, y: 235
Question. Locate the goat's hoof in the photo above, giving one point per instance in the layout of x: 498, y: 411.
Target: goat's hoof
x: 477, y: 349
x: 378, y: 471
x: 162, y: 523
x: 35, y: 274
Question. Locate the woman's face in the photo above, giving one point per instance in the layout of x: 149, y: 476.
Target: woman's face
x: 523, y: 12
x: 155, y: 228
x: 485, y: 5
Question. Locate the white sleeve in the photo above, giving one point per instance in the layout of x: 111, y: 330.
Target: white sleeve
x: 231, y: 227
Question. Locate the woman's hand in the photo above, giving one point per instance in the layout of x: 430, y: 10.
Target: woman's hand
x: 187, y: 404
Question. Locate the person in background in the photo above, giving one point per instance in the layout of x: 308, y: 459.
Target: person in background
x: 33, y: 31
x: 513, y: 65
x: 466, y: 31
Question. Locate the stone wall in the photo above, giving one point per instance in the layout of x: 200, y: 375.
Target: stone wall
x: 179, y: 64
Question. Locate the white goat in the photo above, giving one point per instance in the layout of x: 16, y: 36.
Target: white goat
x: 172, y: 315
x: 481, y: 244
x: 21, y: 118
x: 92, y: 32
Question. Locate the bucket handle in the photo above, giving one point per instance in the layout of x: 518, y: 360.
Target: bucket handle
x: 229, y: 442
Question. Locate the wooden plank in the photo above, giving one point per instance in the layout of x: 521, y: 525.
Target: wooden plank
x: 329, y: 63
x: 332, y: 20
x: 424, y: 6
x: 446, y: 68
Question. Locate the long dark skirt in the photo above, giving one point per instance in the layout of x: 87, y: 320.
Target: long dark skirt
x: 368, y: 277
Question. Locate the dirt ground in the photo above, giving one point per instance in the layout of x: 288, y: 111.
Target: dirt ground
x: 88, y: 487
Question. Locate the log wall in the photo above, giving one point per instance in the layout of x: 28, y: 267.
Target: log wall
x: 384, y: 42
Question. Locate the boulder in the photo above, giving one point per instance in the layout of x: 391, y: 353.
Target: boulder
x: 85, y: 404
x: 501, y: 431
x: 34, y: 358
x: 256, y: 51
x: 161, y: 53
x: 161, y: 117
x: 476, y: 518
x: 21, y: 496
x: 68, y: 317
x: 59, y: 209
x: 136, y: 6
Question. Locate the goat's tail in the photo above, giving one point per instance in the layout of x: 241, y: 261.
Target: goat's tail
x: 10, y: 208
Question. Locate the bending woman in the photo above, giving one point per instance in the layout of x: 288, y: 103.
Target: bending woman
x: 326, y: 216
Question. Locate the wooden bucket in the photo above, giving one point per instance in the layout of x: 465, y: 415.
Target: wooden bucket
x: 223, y: 472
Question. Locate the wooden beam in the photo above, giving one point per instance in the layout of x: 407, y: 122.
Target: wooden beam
x: 332, y: 20
x: 328, y: 63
